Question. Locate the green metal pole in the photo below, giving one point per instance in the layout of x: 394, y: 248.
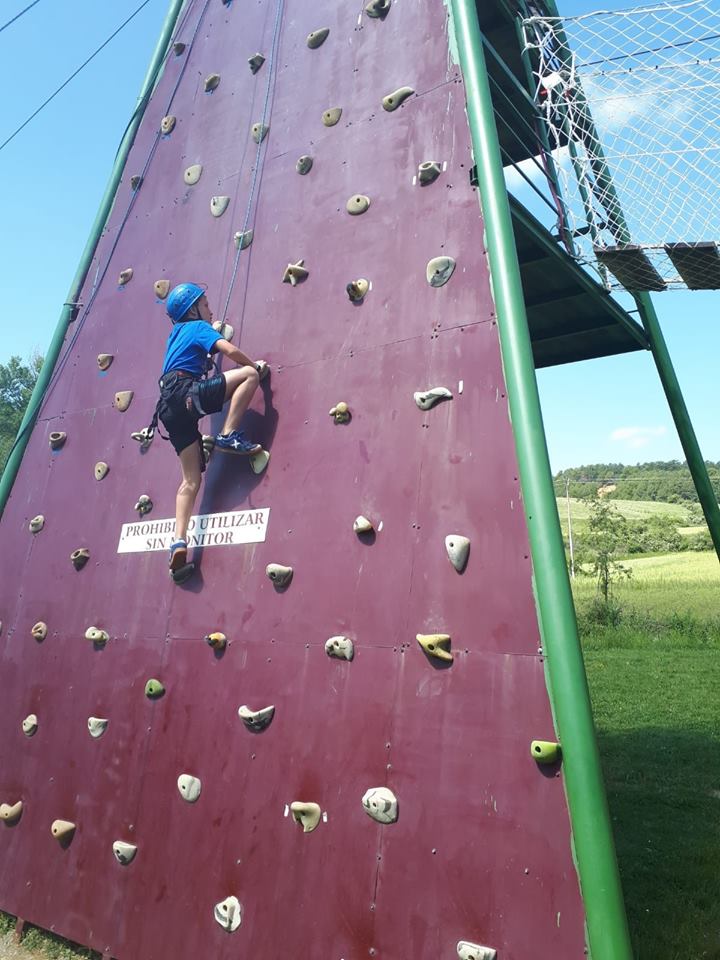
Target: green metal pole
x: 608, y: 934
x: 70, y: 306
x: 683, y: 424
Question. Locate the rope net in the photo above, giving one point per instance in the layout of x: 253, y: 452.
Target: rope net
x: 631, y: 103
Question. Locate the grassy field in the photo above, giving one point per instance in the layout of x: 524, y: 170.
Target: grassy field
x: 630, y: 509
x: 654, y: 678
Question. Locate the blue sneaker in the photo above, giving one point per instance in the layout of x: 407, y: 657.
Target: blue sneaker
x: 236, y: 442
x: 178, y: 555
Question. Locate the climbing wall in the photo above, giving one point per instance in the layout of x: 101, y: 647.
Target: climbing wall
x: 478, y: 846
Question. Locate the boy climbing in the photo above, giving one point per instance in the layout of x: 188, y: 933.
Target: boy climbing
x: 187, y: 395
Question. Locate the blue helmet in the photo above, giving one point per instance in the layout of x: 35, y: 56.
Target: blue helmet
x: 181, y: 298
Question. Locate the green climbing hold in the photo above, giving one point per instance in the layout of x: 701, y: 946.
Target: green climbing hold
x: 154, y: 689
x: 545, y: 751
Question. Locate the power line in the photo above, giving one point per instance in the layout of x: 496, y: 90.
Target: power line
x: 73, y: 75
x: 18, y: 15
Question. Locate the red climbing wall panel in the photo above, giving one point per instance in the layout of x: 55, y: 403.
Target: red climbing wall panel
x: 481, y: 850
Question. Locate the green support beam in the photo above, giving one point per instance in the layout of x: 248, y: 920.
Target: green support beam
x: 608, y: 935
x: 69, y: 309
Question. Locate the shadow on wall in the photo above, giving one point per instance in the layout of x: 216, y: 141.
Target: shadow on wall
x: 664, y: 795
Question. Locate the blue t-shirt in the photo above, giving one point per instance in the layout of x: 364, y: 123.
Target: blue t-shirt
x: 188, y: 345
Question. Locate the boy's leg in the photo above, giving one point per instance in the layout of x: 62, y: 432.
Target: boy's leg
x: 240, y: 385
x: 188, y: 489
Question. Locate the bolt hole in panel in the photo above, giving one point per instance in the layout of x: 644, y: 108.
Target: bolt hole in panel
x: 425, y: 473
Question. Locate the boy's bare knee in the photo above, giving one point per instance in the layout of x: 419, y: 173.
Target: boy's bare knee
x: 189, y: 487
x: 253, y: 377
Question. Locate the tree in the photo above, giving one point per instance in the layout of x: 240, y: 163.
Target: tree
x: 17, y: 380
x: 605, y: 539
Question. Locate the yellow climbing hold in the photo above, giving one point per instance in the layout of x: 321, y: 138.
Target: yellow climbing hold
x: 307, y: 814
x: 218, y: 205
x: 104, y: 360
x: 97, y: 636
x: 63, y: 830
x: 192, y: 174
x: 211, y: 82
x: 217, y: 641
x: 259, y: 132
x: 317, y: 37
x: 393, y: 100
x: 331, y: 116
x: 125, y: 276
x: 101, y: 470
x: 545, y: 751
x: 123, y: 399
x: 435, y: 645
x: 39, y: 630
x: 161, y: 288
x: 340, y: 412
x: 10, y: 813
x: 295, y: 273
x: 357, y: 204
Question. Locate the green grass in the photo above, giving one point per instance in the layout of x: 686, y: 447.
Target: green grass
x: 630, y: 509
x: 654, y: 680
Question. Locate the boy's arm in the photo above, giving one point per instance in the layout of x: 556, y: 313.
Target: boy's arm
x: 233, y: 353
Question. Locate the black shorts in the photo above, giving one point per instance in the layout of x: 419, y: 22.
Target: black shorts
x: 183, y: 401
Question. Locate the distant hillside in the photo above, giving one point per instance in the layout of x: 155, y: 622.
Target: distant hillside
x: 667, y: 481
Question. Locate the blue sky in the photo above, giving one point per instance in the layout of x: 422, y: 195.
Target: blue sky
x: 53, y: 175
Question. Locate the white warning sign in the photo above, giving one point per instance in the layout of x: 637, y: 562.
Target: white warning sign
x: 207, y: 530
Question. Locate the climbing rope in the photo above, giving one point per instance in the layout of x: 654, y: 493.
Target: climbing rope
x: 18, y: 15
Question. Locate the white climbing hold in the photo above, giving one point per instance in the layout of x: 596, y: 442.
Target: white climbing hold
x: 259, y: 132
x: 295, y: 273
x: 263, y: 369
x: 36, y: 524
x: 393, y: 100
x: 340, y: 647
x: 331, y: 116
x: 428, y: 171
x: 307, y: 814
x: 377, y: 8
x: 228, y: 913
x: 439, y: 270
x: 80, y: 557
x: 144, y: 504
x: 97, y: 727
x: 256, y: 61
x: 30, y: 725
x: 304, y: 165
x: 125, y: 276
x: 104, y: 360
x: 259, y: 461
x: 218, y: 205
x: 97, y: 636
x: 243, y: 239
x: 280, y: 575
x: 101, y: 470
x: 428, y: 398
x: 10, y: 812
x: 63, y: 830
x: 123, y: 399
x: 57, y: 439
x: 256, y: 720
x: 226, y: 330
x: 473, y: 951
x: 458, y: 548
x: 161, y: 288
x: 192, y: 174
x: 189, y: 787
x: 317, y: 37
x: 136, y: 182
x: 124, y: 852
x: 211, y: 82
x: 381, y: 804
x: 144, y: 437
x: 167, y: 125
x: 357, y: 204
x: 363, y: 525
x: 39, y: 630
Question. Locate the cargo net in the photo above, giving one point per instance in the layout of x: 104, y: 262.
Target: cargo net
x: 631, y: 103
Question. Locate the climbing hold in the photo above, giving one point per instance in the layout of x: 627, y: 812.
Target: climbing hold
x: 211, y: 82
x: 97, y: 636
x: 10, y: 813
x: 144, y: 437
x: 228, y: 913
x: 340, y: 647
x: 124, y: 852
x: 123, y: 399
x: 458, y: 548
x: 259, y: 132
x: 473, y: 951
x: 97, y: 726
x: 144, y: 504
x: 167, y: 125
x: 340, y: 412
x: 263, y: 369
x: 243, y: 239
x: 30, y: 725
x: 331, y: 116
x: 125, y: 276
x: 189, y: 787
x: 280, y: 575
x: 357, y: 289
x: 393, y: 100
x: 258, y: 461
x: 428, y: 398
x: 256, y: 61
x: 435, y: 645
x: 161, y: 288
x: 36, y: 524
x: 101, y: 470
x: 192, y: 174
x: 363, y: 525
x: 256, y: 720
x: 357, y: 204
x: 217, y: 641
x: 218, y: 205
x: 381, y: 804
x: 317, y: 37
x: 208, y: 445
x: 57, y: 439
x: 63, y: 830
x: 439, y: 270
x: 295, y: 273
x: 226, y: 330
x: 183, y: 574
x: 545, y: 751
x: 304, y: 165
x: 178, y: 48
x: 136, y: 182
x: 154, y: 689
x: 80, y: 557
x: 428, y: 171
x: 378, y: 9
x: 104, y: 360
x: 39, y: 630
x: 308, y: 814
